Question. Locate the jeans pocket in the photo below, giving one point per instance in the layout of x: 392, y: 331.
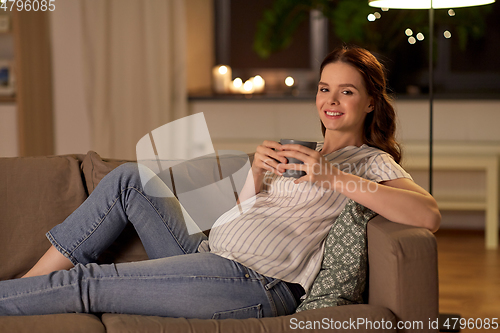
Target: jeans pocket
x: 254, y: 311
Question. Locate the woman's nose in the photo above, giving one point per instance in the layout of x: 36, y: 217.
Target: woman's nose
x: 332, y: 99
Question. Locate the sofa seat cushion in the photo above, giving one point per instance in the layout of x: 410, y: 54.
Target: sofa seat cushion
x: 56, y: 323
x: 320, y: 320
x: 36, y: 194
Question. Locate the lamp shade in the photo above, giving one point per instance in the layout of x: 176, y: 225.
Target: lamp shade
x: 426, y: 4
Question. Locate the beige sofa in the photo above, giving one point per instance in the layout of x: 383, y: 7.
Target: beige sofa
x: 37, y: 193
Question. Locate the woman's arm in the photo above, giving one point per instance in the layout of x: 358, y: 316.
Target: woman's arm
x: 265, y: 159
x: 399, y: 200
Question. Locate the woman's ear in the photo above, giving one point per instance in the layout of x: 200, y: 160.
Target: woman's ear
x: 371, y: 106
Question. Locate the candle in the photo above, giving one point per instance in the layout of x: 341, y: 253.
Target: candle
x: 248, y: 87
x: 237, y: 85
x: 289, y: 81
x: 221, y: 75
x: 258, y: 84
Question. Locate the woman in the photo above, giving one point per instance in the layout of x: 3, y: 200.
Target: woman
x: 253, y: 265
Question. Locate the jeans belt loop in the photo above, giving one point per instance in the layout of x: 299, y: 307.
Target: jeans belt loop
x: 270, y: 285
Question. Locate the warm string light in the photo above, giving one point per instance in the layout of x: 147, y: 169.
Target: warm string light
x: 420, y: 36
x: 374, y: 16
x: 408, y: 32
x: 384, y: 5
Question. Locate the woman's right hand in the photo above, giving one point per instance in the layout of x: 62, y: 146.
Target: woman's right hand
x: 267, y: 159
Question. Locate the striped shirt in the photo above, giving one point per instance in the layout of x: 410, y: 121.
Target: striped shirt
x: 282, y: 232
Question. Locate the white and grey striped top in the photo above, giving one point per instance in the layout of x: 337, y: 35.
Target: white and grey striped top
x: 282, y: 235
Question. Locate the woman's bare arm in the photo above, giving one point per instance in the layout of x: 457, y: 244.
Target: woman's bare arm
x: 399, y: 200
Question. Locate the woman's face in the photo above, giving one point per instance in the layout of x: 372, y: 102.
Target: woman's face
x: 342, y: 100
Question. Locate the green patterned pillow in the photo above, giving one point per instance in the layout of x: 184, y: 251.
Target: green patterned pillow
x: 342, y: 277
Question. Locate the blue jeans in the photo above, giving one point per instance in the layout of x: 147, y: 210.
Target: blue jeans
x: 177, y: 281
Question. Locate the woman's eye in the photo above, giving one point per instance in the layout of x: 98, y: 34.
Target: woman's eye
x: 323, y: 89
x: 347, y: 92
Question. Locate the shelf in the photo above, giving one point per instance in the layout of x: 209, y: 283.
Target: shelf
x: 461, y: 204
x: 8, y: 99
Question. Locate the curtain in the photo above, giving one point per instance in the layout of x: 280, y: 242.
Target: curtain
x: 134, y: 67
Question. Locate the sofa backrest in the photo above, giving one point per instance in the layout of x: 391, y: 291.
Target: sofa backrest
x: 36, y: 193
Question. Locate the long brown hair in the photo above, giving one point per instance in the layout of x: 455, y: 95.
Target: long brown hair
x: 379, y: 129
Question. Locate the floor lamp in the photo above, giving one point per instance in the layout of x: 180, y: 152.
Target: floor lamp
x: 431, y: 5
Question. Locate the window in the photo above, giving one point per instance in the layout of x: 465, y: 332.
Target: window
x: 470, y: 72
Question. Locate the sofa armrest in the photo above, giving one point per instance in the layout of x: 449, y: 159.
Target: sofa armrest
x: 403, y: 273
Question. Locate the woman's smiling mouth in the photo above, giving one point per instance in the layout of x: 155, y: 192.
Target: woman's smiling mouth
x: 333, y: 113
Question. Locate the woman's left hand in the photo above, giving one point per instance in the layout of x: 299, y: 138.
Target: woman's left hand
x: 318, y: 170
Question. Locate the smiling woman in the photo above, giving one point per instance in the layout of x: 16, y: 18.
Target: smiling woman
x: 370, y: 78
x: 343, y: 103
x: 355, y: 112
x: 257, y: 262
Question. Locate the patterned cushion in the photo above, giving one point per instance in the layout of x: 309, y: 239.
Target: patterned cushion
x: 342, y: 277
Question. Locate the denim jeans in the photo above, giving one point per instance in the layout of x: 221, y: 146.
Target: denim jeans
x: 177, y: 281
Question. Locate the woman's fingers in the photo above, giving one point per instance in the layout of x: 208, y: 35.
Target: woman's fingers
x: 308, y: 157
x: 272, y: 156
x: 272, y: 144
x: 266, y: 157
x: 316, y: 167
x: 291, y: 166
x: 269, y: 149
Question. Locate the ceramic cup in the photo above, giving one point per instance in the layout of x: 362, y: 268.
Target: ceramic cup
x: 296, y: 173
